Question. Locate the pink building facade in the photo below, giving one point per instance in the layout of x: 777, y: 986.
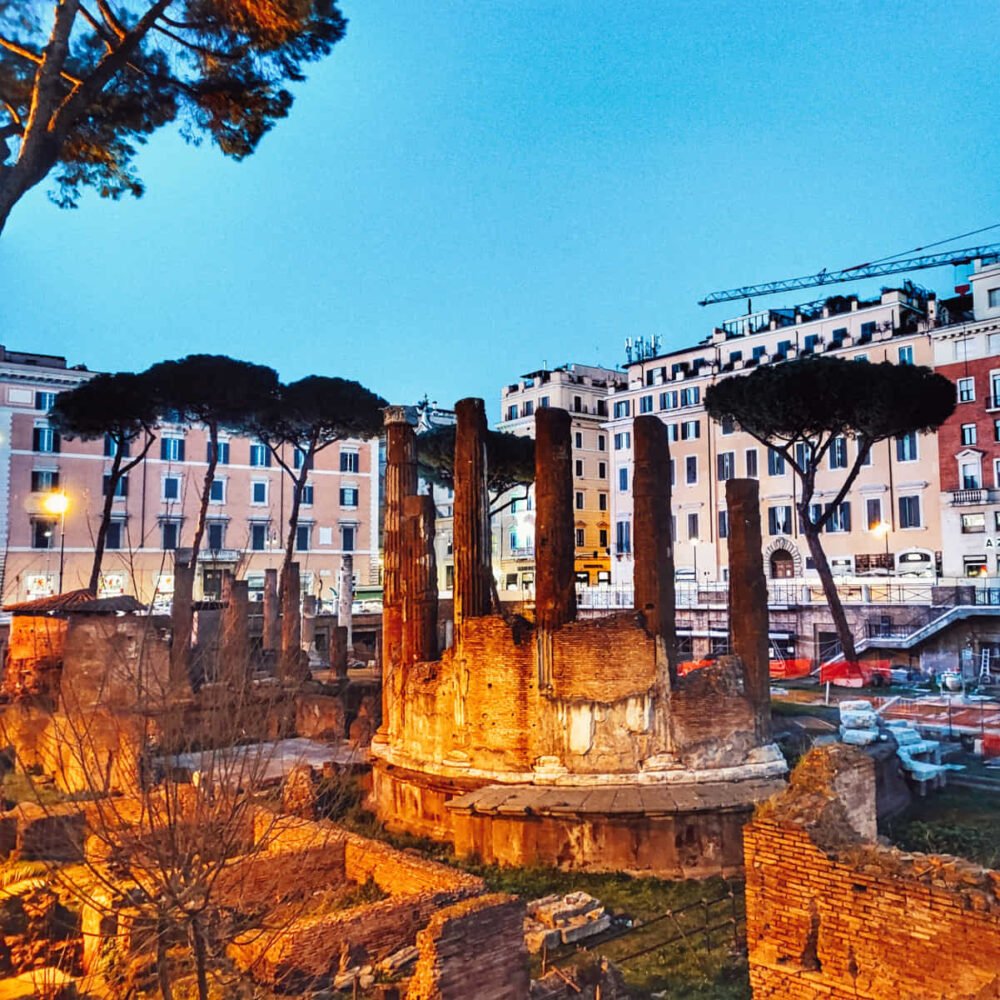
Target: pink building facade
x: 156, y: 510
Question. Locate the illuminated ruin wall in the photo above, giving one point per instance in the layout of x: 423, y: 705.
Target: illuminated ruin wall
x: 832, y: 914
x: 555, y: 701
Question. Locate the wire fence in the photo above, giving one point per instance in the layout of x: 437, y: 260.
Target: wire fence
x: 701, y: 929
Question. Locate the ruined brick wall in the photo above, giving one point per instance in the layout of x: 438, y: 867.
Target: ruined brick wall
x: 486, y: 702
x: 474, y: 948
x: 96, y: 751
x: 401, y: 873
x: 596, y: 717
x: 34, y: 653
x: 833, y: 915
x: 309, y: 947
x: 114, y: 661
x: 602, y: 660
x: 498, y: 680
x: 394, y: 871
x: 712, y: 718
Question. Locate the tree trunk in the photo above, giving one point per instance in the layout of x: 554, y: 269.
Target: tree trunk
x: 162, y: 962
x: 206, y: 489
x: 200, y: 957
x: 102, y: 531
x: 829, y: 587
x: 298, y: 483
x: 40, y: 142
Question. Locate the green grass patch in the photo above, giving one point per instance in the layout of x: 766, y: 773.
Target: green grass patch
x: 687, y: 969
x: 960, y: 821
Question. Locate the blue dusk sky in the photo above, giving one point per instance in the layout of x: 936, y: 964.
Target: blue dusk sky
x: 469, y: 189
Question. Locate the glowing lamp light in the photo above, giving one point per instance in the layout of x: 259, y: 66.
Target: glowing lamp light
x: 56, y: 503
x: 881, y: 529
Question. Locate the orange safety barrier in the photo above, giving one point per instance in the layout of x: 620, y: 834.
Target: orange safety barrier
x: 855, y: 673
x: 787, y: 669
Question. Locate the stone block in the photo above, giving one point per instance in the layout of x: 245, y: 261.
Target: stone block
x: 580, y: 930
x: 320, y: 716
x: 537, y: 937
x: 556, y: 911
x: 54, y: 833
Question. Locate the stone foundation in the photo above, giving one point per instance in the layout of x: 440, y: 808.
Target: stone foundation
x: 671, y: 831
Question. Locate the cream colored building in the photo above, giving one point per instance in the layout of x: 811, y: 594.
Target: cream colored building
x: 888, y: 523
x: 583, y: 390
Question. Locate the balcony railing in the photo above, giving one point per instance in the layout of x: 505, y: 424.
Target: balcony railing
x: 961, y: 498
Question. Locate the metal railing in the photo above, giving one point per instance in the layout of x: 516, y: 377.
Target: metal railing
x: 702, y: 928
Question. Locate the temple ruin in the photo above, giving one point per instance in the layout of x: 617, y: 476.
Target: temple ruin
x: 562, y: 740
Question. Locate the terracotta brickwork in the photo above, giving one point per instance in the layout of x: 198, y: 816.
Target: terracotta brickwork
x: 34, y: 654
x: 831, y: 914
x: 310, y: 947
x: 474, y: 948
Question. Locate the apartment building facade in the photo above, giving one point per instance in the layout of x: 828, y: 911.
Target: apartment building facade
x: 887, y: 524
x: 584, y: 391
x: 968, y: 353
x: 156, y: 507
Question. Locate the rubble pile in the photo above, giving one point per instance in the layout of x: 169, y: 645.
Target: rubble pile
x: 557, y: 920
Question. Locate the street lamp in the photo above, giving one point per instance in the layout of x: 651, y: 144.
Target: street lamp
x: 881, y: 530
x: 56, y: 503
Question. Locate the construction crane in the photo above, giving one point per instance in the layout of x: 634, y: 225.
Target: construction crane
x: 988, y: 253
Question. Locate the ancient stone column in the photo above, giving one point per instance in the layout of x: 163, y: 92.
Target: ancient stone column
x: 182, y: 620
x: 309, y: 623
x: 235, y: 645
x: 419, y: 578
x: 471, y: 535
x: 271, y: 638
x: 748, y: 616
x: 400, y: 482
x: 651, y: 526
x: 338, y: 651
x: 555, y: 552
x: 291, y: 624
x: 345, y: 599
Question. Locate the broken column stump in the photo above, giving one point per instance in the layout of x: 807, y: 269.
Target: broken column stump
x: 654, y: 558
x: 271, y: 639
x: 471, y: 534
x: 400, y: 482
x: 182, y: 621
x: 338, y: 651
x: 235, y: 647
x: 291, y: 666
x: 345, y: 600
x: 748, y: 614
x: 555, y: 580
x: 419, y: 581
x: 309, y: 624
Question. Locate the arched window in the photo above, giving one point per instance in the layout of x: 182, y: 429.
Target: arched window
x: 782, y: 565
